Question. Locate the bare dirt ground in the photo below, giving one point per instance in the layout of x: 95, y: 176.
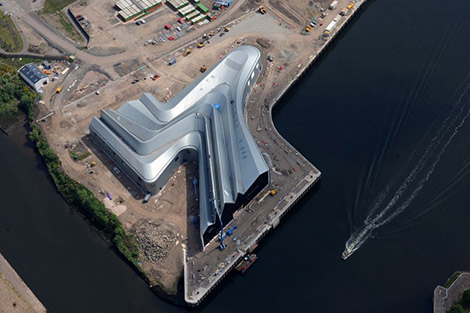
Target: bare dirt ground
x: 164, y: 225
x: 90, y: 82
x: 167, y: 214
x: 107, y: 32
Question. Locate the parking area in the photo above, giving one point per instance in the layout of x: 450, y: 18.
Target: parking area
x: 107, y: 31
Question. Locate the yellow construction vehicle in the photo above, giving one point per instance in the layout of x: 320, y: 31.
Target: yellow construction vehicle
x: 59, y: 89
x: 227, y: 29
x: 211, y: 33
x: 200, y: 45
x: 271, y: 192
x: 261, y: 10
x: 350, y: 6
x: 203, y: 69
x: 308, y: 28
x: 187, y: 52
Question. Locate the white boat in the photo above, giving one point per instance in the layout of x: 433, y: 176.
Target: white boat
x: 346, y: 253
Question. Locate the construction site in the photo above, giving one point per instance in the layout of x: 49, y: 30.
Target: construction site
x: 125, y: 59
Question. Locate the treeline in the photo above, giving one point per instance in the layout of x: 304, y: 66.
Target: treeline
x: 13, y: 91
x: 82, y: 198
x: 73, y: 192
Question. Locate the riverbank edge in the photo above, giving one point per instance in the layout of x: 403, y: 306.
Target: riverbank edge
x: 445, y: 297
x: 104, y: 222
x: 9, y: 277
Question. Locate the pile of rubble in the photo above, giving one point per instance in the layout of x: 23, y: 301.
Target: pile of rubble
x: 154, y: 240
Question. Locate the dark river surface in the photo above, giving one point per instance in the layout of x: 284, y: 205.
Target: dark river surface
x: 383, y: 115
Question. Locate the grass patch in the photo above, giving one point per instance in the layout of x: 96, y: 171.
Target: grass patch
x: 16, y: 63
x: 68, y: 27
x: 451, y: 280
x: 10, y: 38
x: 52, y: 12
x: 64, y: 25
x: 78, y: 156
x: 53, y: 6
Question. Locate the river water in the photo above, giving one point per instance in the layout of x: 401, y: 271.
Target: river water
x: 386, y: 108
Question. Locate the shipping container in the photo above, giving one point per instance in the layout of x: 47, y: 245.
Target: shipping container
x: 337, y: 18
x: 331, y: 26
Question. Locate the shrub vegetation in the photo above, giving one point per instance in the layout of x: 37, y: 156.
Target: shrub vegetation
x: 463, y: 305
x: 13, y: 92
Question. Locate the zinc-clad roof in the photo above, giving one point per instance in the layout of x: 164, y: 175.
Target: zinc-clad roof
x: 207, y: 116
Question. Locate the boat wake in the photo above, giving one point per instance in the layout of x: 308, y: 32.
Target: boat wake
x: 389, y: 205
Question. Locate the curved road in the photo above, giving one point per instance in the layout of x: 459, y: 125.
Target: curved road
x: 27, y: 15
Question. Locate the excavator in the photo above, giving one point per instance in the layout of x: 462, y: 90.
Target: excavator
x: 203, y: 69
x: 261, y: 10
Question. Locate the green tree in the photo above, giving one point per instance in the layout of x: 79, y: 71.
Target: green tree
x: 13, y: 92
x: 457, y: 308
x: 466, y: 298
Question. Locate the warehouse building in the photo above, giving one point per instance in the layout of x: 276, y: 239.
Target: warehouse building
x: 132, y: 9
x: 204, y: 123
x: 34, y: 76
x: 202, y: 8
x: 178, y: 4
x: 192, y: 13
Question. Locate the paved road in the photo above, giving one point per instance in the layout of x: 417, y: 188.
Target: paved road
x: 26, y: 14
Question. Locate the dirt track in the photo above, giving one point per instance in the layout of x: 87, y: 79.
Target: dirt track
x: 276, y: 33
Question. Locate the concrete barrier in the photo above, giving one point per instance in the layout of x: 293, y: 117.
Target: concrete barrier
x: 78, y: 26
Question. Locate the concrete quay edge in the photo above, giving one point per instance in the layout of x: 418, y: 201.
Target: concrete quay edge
x: 278, y: 212
x: 11, y: 277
